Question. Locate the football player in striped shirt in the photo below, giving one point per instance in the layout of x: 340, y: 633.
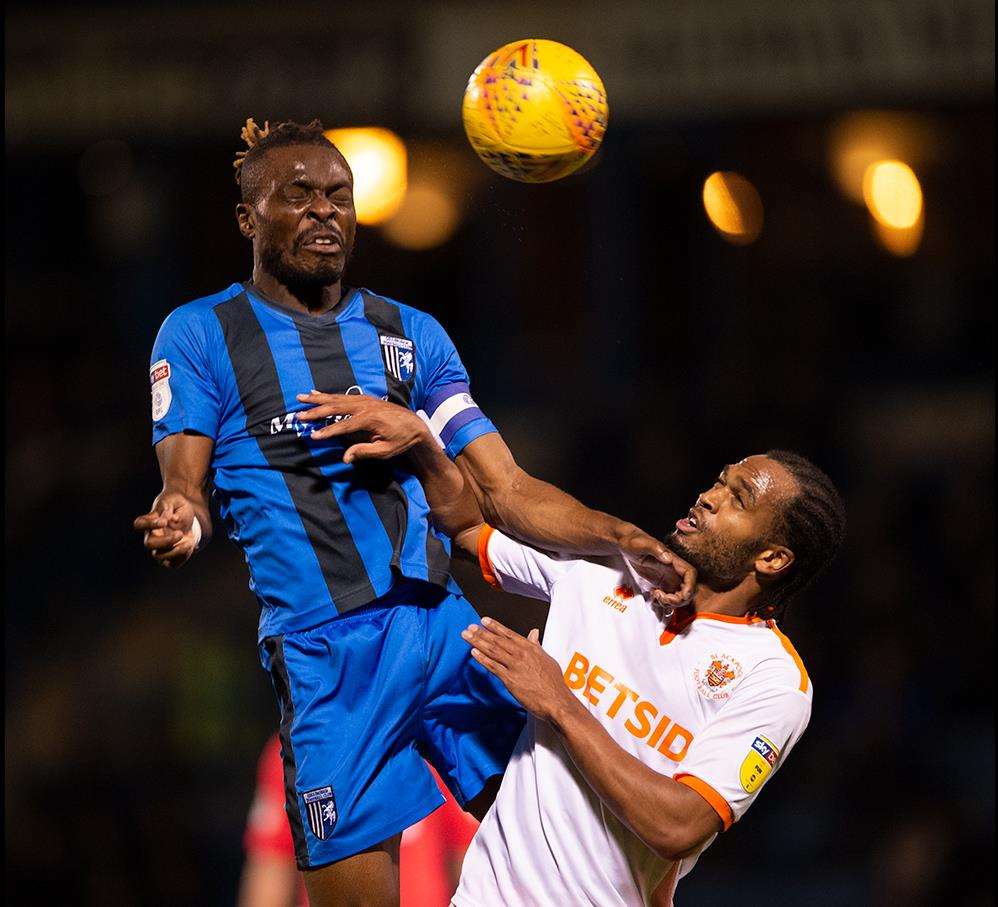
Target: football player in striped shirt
x: 647, y: 738
x: 359, y: 618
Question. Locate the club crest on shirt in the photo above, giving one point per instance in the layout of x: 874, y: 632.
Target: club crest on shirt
x: 399, y: 355
x: 715, y: 679
x: 320, y: 804
x: 162, y: 396
x: 757, y: 765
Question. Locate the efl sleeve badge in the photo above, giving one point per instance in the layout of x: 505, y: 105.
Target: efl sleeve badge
x: 162, y: 396
x: 757, y: 765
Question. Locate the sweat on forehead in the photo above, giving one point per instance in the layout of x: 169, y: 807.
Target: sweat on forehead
x: 286, y: 162
x: 766, y: 477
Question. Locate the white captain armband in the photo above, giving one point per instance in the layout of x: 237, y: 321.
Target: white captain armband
x: 449, y: 409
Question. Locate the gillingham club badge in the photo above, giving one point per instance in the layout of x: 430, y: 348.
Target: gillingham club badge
x: 320, y: 804
x: 399, y: 355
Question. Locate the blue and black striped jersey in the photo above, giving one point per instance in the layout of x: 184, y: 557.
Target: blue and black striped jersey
x: 320, y: 536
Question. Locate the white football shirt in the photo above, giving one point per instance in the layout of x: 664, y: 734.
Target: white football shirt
x: 715, y: 702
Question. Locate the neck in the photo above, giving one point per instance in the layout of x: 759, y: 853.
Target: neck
x: 312, y: 300
x: 737, y: 602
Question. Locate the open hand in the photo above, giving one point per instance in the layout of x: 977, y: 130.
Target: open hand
x: 390, y: 429
x: 529, y: 673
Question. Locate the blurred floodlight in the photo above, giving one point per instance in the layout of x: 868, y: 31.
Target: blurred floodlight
x: 892, y: 193
x: 733, y: 206
x: 864, y: 137
x: 377, y: 158
x: 105, y: 167
x: 426, y: 218
x: 899, y: 241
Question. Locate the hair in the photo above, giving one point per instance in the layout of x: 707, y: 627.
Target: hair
x: 260, y: 141
x: 812, y: 524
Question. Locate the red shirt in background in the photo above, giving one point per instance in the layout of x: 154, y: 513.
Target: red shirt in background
x: 429, y: 849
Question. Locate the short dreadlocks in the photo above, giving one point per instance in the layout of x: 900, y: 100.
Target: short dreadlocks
x: 812, y: 524
x: 260, y: 141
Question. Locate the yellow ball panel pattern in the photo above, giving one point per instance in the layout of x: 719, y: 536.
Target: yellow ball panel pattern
x: 535, y: 111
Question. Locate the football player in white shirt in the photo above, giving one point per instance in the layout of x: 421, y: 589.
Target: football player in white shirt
x: 650, y: 733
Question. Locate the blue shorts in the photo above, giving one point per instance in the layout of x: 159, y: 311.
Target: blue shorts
x: 364, y: 698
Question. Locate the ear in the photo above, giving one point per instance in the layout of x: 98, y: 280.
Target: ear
x: 245, y: 219
x: 773, y: 560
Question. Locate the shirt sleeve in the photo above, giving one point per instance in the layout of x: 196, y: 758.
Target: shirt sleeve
x: 442, y: 390
x: 750, y: 737
x: 185, y: 395
x: 514, y: 567
x: 267, y: 828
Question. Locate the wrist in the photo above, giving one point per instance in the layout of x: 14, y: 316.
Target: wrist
x: 563, y: 711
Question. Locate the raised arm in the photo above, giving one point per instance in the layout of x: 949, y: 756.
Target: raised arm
x: 509, y: 498
x: 541, y: 514
x: 169, y: 531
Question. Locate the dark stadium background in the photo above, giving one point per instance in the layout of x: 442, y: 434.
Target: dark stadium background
x: 624, y: 349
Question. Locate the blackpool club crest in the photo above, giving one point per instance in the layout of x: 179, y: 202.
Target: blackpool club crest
x: 714, y: 680
x: 399, y: 355
x: 320, y: 804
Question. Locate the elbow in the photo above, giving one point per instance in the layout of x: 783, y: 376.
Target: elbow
x: 498, y: 499
x: 676, y: 842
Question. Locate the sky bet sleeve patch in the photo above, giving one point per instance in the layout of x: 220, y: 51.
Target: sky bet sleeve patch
x: 757, y: 765
x: 162, y: 397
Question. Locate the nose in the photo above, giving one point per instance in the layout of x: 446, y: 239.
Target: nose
x: 707, y: 502
x: 321, y: 208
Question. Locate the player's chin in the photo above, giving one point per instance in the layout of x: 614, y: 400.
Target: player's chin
x: 319, y: 268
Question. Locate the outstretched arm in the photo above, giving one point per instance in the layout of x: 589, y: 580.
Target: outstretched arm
x: 509, y: 498
x: 671, y: 818
x: 168, y: 529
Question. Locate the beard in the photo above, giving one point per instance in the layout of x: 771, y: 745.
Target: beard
x: 721, y: 565
x: 300, y: 281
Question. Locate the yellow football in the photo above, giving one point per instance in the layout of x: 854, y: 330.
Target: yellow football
x: 535, y: 110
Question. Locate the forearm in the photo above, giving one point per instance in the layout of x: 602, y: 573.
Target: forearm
x: 669, y: 817
x: 453, y: 507
x: 184, y: 461
x: 541, y: 514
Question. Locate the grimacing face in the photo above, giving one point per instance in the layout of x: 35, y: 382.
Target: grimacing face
x: 302, y: 221
x: 728, y: 533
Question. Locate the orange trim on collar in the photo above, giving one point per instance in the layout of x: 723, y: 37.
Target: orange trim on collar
x: 676, y: 627
x: 789, y: 646
x: 728, y: 618
x: 717, y: 802
x: 488, y: 571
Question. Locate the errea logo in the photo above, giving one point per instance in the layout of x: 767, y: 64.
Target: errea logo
x: 616, y: 601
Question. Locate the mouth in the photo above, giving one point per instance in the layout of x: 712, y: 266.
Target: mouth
x: 322, y: 243
x: 690, y: 522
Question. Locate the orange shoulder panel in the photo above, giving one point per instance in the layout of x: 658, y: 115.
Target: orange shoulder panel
x: 789, y: 646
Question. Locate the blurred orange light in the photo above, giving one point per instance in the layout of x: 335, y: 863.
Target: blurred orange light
x: 378, y: 160
x: 863, y: 137
x: 426, y: 218
x: 892, y: 193
x: 899, y: 241
x: 733, y: 207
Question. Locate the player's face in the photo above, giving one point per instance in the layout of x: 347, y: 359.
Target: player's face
x: 305, y: 218
x: 729, y: 525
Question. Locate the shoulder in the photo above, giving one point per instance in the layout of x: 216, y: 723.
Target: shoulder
x: 779, y: 665
x: 414, y: 321
x: 198, y: 313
